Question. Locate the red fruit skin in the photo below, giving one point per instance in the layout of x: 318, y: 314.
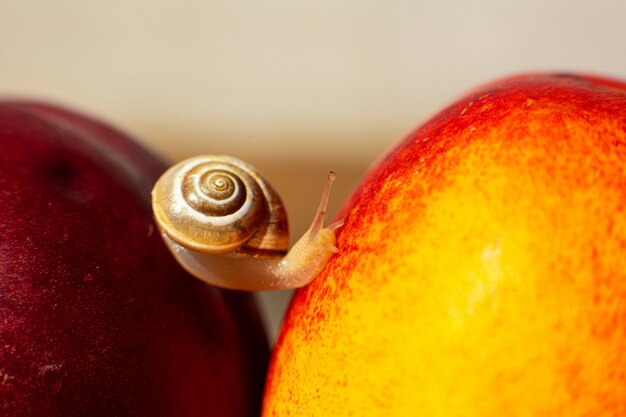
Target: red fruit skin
x: 96, y: 317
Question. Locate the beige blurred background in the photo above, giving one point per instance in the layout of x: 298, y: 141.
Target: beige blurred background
x: 294, y: 87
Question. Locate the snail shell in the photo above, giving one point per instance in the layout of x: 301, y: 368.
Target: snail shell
x: 220, y: 204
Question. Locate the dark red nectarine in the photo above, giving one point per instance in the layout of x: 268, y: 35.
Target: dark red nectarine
x: 96, y: 317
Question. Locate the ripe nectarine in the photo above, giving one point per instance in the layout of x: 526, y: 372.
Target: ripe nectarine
x: 481, y: 270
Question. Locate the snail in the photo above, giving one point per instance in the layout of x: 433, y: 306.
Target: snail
x: 227, y: 226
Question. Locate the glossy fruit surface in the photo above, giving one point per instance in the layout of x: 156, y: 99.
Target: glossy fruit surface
x: 96, y: 317
x: 481, y: 270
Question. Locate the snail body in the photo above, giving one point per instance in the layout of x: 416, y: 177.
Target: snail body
x: 227, y: 226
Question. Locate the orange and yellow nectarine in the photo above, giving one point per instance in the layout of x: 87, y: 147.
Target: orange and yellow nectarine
x: 482, y: 268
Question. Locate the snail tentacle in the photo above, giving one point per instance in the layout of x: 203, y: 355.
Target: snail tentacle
x: 256, y: 257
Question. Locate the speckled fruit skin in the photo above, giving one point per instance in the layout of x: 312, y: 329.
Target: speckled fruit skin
x: 481, y: 270
x: 96, y: 317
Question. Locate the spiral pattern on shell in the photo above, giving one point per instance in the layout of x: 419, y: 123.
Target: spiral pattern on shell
x: 213, y: 191
x: 210, y: 204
